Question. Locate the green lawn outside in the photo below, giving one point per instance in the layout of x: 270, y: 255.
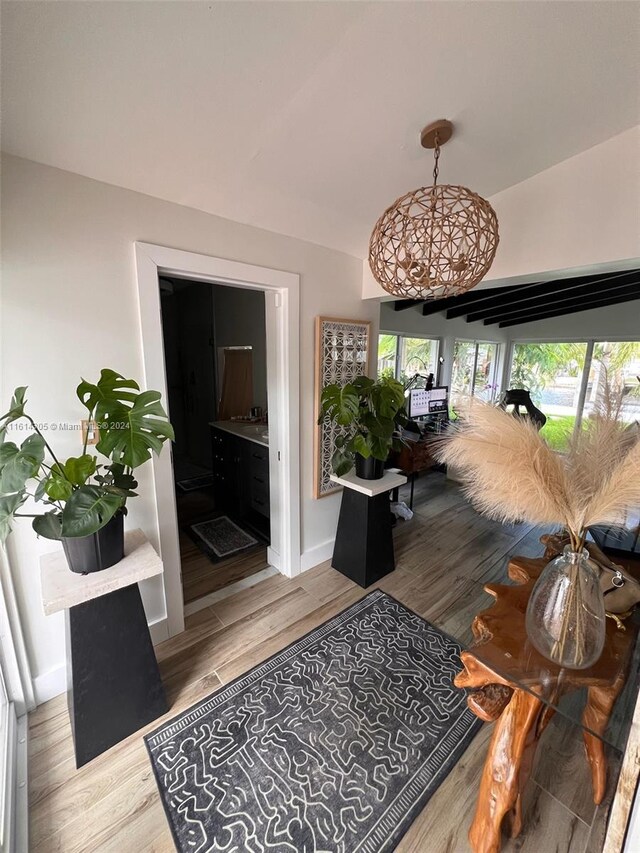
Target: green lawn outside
x: 558, y: 430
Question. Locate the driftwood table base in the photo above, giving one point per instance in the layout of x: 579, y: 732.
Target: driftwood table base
x: 515, y: 687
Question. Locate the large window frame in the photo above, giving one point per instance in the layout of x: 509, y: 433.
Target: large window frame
x: 586, y: 368
x: 497, y: 372
x: 401, y: 338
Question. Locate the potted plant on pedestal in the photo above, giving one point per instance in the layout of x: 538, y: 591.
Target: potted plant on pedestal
x: 370, y: 412
x: 84, y: 500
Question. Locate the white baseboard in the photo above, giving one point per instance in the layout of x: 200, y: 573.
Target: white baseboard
x: 273, y: 558
x: 159, y: 631
x: 316, y: 555
x: 50, y: 684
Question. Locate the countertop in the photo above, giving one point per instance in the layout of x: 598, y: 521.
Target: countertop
x: 258, y: 433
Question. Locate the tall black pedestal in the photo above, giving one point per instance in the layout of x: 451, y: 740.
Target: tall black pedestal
x: 363, y: 550
x: 113, y: 677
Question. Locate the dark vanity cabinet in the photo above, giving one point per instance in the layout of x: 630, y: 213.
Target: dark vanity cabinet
x: 258, y: 479
x: 240, y: 474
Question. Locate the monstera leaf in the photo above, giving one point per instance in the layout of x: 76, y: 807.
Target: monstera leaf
x: 88, y: 509
x: 339, y: 403
x: 132, y: 425
x: 16, y: 409
x: 17, y: 465
x: 78, y: 469
x: 133, y: 433
x: 8, y: 505
x: 48, y: 525
x: 111, y: 392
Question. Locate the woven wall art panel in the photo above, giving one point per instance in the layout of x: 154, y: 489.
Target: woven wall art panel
x: 342, y: 354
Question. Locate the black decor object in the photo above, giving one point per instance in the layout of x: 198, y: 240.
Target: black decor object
x: 114, y: 684
x: 96, y: 552
x: 335, y: 744
x: 520, y: 398
x: 369, y: 469
x: 363, y: 550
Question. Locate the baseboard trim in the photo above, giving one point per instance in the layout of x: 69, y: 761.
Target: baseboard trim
x: 50, y: 684
x: 159, y: 630
x: 273, y: 558
x: 316, y: 555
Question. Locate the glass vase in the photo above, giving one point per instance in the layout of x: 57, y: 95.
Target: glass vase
x: 565, y: 616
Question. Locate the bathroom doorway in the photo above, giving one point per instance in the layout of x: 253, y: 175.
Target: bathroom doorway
x: 281, y: 294
x: 216, y: 369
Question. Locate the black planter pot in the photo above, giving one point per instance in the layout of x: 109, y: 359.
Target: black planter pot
x: 369, y: 469
x: 96, y: 552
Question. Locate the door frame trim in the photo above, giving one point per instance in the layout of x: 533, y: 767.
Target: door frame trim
x: 282, y: 314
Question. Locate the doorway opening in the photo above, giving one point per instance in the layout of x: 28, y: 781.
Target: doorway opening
x: 216, y: 367
x: 280, y: 291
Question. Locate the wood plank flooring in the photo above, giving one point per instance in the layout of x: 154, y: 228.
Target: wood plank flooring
x: 200, y: 575
x: 444, y: 556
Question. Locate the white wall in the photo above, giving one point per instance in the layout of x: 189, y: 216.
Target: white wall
x: 70, y: 308
x: 580, y: 213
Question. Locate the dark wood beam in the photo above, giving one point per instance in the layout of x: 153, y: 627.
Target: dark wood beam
x: 403, y: 304
x: 527, y: 291
x: 581, y: 306
x: 473, y: 297
x: 535, y: 304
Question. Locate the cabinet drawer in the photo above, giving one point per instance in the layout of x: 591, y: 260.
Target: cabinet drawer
x: 259, y: 462
x: 260, y: 504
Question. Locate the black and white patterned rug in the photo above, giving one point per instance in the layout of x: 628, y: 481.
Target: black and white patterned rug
x: 334, y: 744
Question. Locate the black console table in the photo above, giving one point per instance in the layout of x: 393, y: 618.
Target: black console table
x: 363, y: 550
x: 113, y: 680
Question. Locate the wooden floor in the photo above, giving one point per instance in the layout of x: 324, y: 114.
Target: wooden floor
x: 201, y: 575
x: 444, y: 555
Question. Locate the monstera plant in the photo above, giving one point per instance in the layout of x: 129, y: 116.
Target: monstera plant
x: 369, y: 414
x: 86, y: 495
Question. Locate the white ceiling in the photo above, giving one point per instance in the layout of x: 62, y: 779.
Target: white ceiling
x: 304, y: 117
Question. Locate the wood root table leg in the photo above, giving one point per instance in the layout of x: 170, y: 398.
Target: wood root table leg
x: 595, y: 718
x: 506, y: 771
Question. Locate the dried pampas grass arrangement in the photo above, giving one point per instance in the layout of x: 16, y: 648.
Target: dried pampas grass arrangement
x: 511, y: 474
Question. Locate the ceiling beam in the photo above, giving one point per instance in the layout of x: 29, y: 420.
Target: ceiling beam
x: 403, y: 304
x: 527, y: 291
x: 538, y: 303
x: 581, y: 306
x: 434, y: 306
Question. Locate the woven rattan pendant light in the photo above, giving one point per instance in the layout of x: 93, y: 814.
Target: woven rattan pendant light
x: 436, y: 241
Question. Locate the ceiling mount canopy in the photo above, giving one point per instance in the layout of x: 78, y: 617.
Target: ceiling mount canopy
x: 436, y: 241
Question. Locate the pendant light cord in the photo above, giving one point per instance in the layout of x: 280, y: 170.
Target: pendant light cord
x: 436, y: 157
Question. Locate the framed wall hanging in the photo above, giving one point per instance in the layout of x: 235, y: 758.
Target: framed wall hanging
x: 342, y: 354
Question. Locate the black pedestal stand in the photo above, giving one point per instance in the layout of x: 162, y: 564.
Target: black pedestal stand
x: 113, y: 677
x: 363, y: 549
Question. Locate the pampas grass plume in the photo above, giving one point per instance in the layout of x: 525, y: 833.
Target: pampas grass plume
x: 510, y: 473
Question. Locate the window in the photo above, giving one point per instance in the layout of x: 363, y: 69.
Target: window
x: 475, y: 370
x: 566, y: 380
x: 403, y: 357
x: 619, y: 362
x: 387, y: 355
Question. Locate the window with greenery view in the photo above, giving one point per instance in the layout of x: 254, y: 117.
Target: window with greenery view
x: 554, y: 374
x: 474, y: 370
x: 402, y: 357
